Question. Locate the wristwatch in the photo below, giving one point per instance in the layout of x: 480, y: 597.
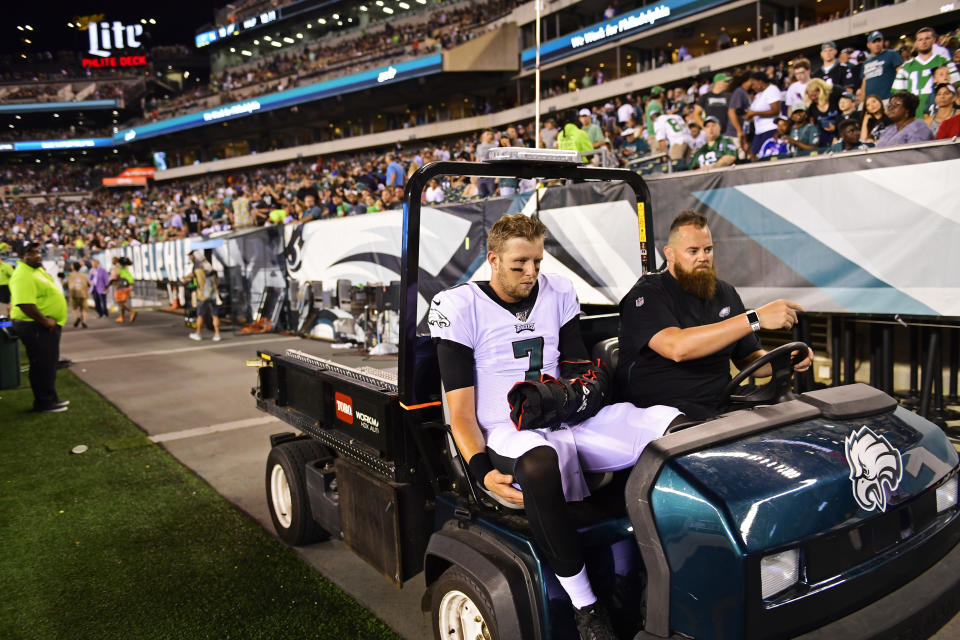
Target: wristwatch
x: 754, y: 319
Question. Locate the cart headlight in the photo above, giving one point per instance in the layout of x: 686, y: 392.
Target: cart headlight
x: 778, y: 572
x: 947, y: 495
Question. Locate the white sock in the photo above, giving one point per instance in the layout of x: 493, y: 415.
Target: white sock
x: 579, y: 589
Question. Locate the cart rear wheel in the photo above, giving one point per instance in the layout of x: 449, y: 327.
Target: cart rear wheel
x: 287, y: 495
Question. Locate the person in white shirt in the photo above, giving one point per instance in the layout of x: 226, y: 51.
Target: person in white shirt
x: 698, y: 137
x: 764, y: 108
x: 796, y: 92
x: 625, y: 112
x: 672, y: 134
x: 433, y: 193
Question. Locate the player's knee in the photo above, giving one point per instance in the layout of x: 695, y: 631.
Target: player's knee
x: 539, y: 466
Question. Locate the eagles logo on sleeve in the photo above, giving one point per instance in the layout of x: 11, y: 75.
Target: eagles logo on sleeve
x: 436, y: 318
x: 873, y: 463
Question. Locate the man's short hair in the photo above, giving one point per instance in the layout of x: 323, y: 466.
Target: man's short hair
x: 687, y: 217
x: 517, y: 225
x: 909, y: 101
x: 848, y: 122
x: 27, y: 247
x: 801, y: 63
x: 930, y: 30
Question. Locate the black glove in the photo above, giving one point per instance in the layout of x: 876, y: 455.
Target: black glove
x: 587, y: 388
x: 539, y: 404
x: 548, y: 403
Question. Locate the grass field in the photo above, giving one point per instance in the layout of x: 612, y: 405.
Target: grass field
x: 124, y: 542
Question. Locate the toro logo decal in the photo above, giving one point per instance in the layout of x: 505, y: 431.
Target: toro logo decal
x: 344, y: 407
x: 873, y: 463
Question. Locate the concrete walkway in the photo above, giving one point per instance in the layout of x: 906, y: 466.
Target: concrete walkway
x: 194, y: 398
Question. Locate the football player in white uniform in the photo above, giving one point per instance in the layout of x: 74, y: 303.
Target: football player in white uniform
x: 527, y: 406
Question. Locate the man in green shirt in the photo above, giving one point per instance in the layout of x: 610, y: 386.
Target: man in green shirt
x: 653, y: 106
x: 39, y: 311
x: 916, y: 74
x: 718, y: 151
x: 574, y: 138
x: 5, y: 272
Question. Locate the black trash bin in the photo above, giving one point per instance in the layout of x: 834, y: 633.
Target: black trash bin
x: 9, y: 356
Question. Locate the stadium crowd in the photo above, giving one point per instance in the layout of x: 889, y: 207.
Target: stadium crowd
x: 794, y: 108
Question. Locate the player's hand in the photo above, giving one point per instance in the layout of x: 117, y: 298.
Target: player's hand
x: 804, y: 364
x: 502, y: 485
x: 779, y: 314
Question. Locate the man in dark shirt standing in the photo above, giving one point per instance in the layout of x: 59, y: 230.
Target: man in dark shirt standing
x: 716, y: 102
x: 830, y: 71
x: 193, y: 215
x: 680, y: 328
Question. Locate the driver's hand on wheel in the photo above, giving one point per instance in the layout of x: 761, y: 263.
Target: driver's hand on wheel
x: 779, y: 314
x: 501, y: 484
x: 804, y: 364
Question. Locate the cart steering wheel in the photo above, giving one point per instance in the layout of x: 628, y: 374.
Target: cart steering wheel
x: 782, y: 360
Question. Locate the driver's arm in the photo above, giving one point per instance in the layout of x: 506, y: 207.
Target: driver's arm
x: 692, y: 343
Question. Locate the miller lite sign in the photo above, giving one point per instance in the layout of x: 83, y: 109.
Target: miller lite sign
x: 107, y: 36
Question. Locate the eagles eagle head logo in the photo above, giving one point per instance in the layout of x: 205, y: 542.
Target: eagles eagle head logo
x: 873, y: 463
x: 436, y: 318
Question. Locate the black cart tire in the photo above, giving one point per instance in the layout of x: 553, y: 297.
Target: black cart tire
x: 287, y: 496
x: 460, y: 608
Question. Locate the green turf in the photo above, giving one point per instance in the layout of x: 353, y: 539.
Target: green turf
x: 124, y: 542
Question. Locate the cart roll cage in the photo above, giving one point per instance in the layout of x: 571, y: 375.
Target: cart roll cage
x: 410, y: 249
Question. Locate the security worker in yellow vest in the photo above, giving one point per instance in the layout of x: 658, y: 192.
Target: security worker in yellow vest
x: 38, y: 311
x: 5, y: 272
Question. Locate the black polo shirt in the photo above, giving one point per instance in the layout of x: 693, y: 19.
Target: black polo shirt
x: 646, y: 378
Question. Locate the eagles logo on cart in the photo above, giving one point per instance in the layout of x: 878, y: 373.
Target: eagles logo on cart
x: 873, y: 463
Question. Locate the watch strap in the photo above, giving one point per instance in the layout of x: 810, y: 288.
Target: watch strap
x: 754, y: 319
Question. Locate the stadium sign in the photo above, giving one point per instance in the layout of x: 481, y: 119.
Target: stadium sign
x: 114, y: 61
x: 106, y: 36
x: 622, y: 26
x: 54, y: 145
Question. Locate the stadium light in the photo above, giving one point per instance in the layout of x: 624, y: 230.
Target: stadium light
x: 70, y: 24
x: 422, y: 1
x: 403, y: 5
x: 288, y: 40
x: 17, y: 117
x: 336, y: 16
x: 276, y: 44
x: 379, y: 3
x: 153, y: 21
x: 143, y: 21
x: 28, y: 27
x: 309, y: 26
x: 322, y: 21
x: 299, y: 36
x: 186, y: 74
x: 245, y: 53
x: 387, y: 10
x: 233, y: 50
x: 20, y: 28
x: 339, y: 23
x: 363, y: 7
x: 256, y: 42
x: 56, y: 115
x: 267, y: 38
x: 28, y: 40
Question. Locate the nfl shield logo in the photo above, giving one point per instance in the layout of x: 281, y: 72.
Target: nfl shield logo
x: 640, y: 301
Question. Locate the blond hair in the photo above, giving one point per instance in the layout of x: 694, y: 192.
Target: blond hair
x: 823, y: 90
x: 517, y: 225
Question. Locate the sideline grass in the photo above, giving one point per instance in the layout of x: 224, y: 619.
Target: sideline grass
x: 124, y: 542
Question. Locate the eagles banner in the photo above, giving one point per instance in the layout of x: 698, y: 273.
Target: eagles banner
x: 871, y: 233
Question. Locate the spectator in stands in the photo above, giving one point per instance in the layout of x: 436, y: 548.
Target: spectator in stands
x: 949, y: 128
x: 823, y: 110
x: 849, y: 70
x: 738, y: 127
x: 485, y: 186
x: 591, y: 128
x: 849, y: 129
x: 829, y: 70
x: 717, y: 151
x: 944, y: 106
x: 764, y: 108
x: 433, y: 194
x: 310, y: 209
x: 625, y: 111
x: 673, y: 137
x: 242, y: 216
x: 655, y: 104
x: 874, y: 119
x: 797, y: 91
x: 396, y: 174
x: 880, y: 68
x: 904, y: 128
x: 633, y: 146
x: 571, y: 137
x: 804, y: 137
x: 777, y: 144
x: 698, y: 136
x: 548, y: 134
x: 715, y: 102
x: 916, y: 75
x: 194, y: 217
x: 847, y: 104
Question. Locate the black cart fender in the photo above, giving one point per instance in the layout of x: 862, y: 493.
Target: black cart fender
x: 504, y: 574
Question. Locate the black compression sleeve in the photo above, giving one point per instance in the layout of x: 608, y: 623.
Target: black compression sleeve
x: 456, y: 365
x: 571, y: 342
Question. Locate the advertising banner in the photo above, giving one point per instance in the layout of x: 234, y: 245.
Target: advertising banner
x: 867, y: 233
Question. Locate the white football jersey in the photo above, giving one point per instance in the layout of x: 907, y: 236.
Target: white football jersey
x: 506, y: 349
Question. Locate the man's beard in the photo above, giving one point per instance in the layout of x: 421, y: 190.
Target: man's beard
x: 514, y: 291
x: 702, y: 284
